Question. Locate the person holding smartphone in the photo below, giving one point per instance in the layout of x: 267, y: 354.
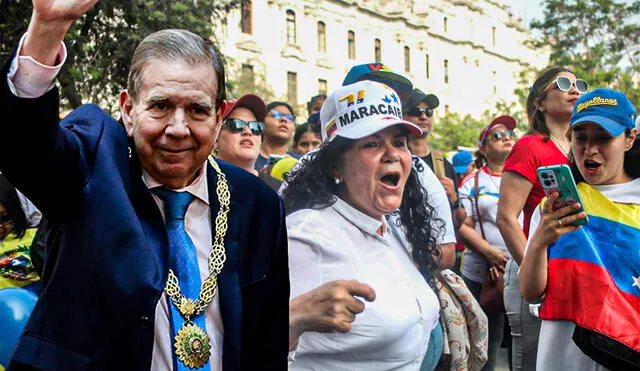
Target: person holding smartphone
x: 581, y: 276
x: 549, y: 106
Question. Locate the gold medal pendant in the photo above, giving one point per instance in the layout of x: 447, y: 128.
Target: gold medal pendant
x: 192, y: 346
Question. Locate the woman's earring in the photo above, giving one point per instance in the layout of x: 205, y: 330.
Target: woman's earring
x: 337, y: 181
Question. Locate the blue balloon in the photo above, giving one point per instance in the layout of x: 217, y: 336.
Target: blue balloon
x: 15, y: 307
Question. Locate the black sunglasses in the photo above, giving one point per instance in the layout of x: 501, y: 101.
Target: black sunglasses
x: 5, y: 218
x: 237, y: 125
x: 417, y: 112
x: 500, y: 135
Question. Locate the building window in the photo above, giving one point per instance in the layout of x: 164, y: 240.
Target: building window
x: 248, y: 80
x: 493, y: 36
x: 292, y: 88
x: 446, y: 71
x: 245, y: 17
x: 377, y: 50
x: 407, y: 59
x: 322, y: 37
x: 495, y: 86
x: 351, y: 45
x: 426, y: 65
x: 322, y: 87
x: 445, y: 21
x: 291, y: 27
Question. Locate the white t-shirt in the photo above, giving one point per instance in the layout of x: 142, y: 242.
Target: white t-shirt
x: 436, y: 195
x: 340, y: 242
x: 474, y: 265
x: 556, y: 349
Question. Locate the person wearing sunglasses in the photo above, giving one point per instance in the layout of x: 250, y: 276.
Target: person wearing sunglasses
x: 241, y: 133
x: 486, y: 254
x: 279, y: 126
x: 418, y: 109
x: 549, y: 107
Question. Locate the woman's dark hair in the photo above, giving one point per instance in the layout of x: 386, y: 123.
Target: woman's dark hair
x: 300, y: 130
x: 11, y: 202
x: 275, y: 104
x: 480, y: 159
x: 313, y: 100
x: 631, y: 161
x: 312, y: 186
x: 537, y: 121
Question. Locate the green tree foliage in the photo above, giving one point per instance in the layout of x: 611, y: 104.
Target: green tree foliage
x: 598, y: 39
x: 100, y: 44
x: 456, y: 130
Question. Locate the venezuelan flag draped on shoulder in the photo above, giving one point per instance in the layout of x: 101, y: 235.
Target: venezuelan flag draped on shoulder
x: 594, y: 272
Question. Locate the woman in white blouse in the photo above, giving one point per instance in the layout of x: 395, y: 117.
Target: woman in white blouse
x: 337, y: 227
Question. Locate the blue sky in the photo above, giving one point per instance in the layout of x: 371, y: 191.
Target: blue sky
x: 527, y: 9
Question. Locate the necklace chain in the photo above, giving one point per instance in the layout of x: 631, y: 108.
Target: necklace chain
x: 188, y: 307
x: 562, y: 148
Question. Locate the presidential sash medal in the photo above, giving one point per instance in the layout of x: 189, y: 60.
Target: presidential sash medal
x: 192, y: 346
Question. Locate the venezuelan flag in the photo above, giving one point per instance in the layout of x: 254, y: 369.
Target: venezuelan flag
x: 331, y: 128
x: 594, y: 272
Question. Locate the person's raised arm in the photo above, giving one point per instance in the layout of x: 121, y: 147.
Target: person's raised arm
x: 546, y: 227
x: 49, y: 24
x: 514, y: 190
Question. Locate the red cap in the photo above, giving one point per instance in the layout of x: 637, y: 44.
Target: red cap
x: 250, y: 101
x: 504, y: 120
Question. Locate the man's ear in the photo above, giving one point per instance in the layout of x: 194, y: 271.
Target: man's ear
x: 222, y: 108
x: 126, y: 106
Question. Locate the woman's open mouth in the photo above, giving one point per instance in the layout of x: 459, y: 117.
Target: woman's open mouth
x: 390, y: 180
x: 591, y: 167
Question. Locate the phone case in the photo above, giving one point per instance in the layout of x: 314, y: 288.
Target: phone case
x: 559, y: 178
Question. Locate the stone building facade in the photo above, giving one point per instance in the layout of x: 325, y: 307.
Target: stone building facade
x: 467, y: 52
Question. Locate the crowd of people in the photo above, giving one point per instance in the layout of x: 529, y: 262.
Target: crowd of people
x: 206, y: 233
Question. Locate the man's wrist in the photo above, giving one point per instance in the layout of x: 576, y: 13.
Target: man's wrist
x: 456, y: 204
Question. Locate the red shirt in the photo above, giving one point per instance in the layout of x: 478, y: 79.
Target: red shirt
x: 527, y: 155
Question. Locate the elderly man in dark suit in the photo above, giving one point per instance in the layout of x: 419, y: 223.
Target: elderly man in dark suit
x: 158, y: 256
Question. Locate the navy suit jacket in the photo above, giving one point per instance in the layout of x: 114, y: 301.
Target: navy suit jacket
x: 107, y: 252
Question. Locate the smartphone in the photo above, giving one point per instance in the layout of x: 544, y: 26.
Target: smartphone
x: 558, y: 178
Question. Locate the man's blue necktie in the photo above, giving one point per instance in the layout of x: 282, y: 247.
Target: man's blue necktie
x: 183, y: 261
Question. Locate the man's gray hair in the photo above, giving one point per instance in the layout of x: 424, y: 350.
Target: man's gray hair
x: 171, y: 45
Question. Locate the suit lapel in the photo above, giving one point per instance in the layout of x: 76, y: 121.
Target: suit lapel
x: 229, y: 279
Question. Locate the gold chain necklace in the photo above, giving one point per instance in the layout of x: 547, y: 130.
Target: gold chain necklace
x: 562, y: 148
x: 192, y: 344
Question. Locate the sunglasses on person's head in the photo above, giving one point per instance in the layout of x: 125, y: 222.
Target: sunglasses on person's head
x: 237, y: 125
x: 279, y: 115
x: 500, y: 135
x: 417, y: 112
x: 564, y: 83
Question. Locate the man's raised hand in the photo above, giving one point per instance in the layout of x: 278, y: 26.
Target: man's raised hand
x: 49, y: 24
x: 61, y: 10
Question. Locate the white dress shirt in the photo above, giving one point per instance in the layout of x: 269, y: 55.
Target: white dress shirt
x: 28, y: 78
x: 392, y: 333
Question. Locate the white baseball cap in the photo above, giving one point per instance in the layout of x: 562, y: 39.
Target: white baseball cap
x: 361, y: 109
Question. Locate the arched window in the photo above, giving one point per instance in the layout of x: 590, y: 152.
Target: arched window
x: 246, y: 21
x: 291, y: 27
x: 407, y: 59
x: 377, y: 50
x: 322, y: 37
x: 351, y: 45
